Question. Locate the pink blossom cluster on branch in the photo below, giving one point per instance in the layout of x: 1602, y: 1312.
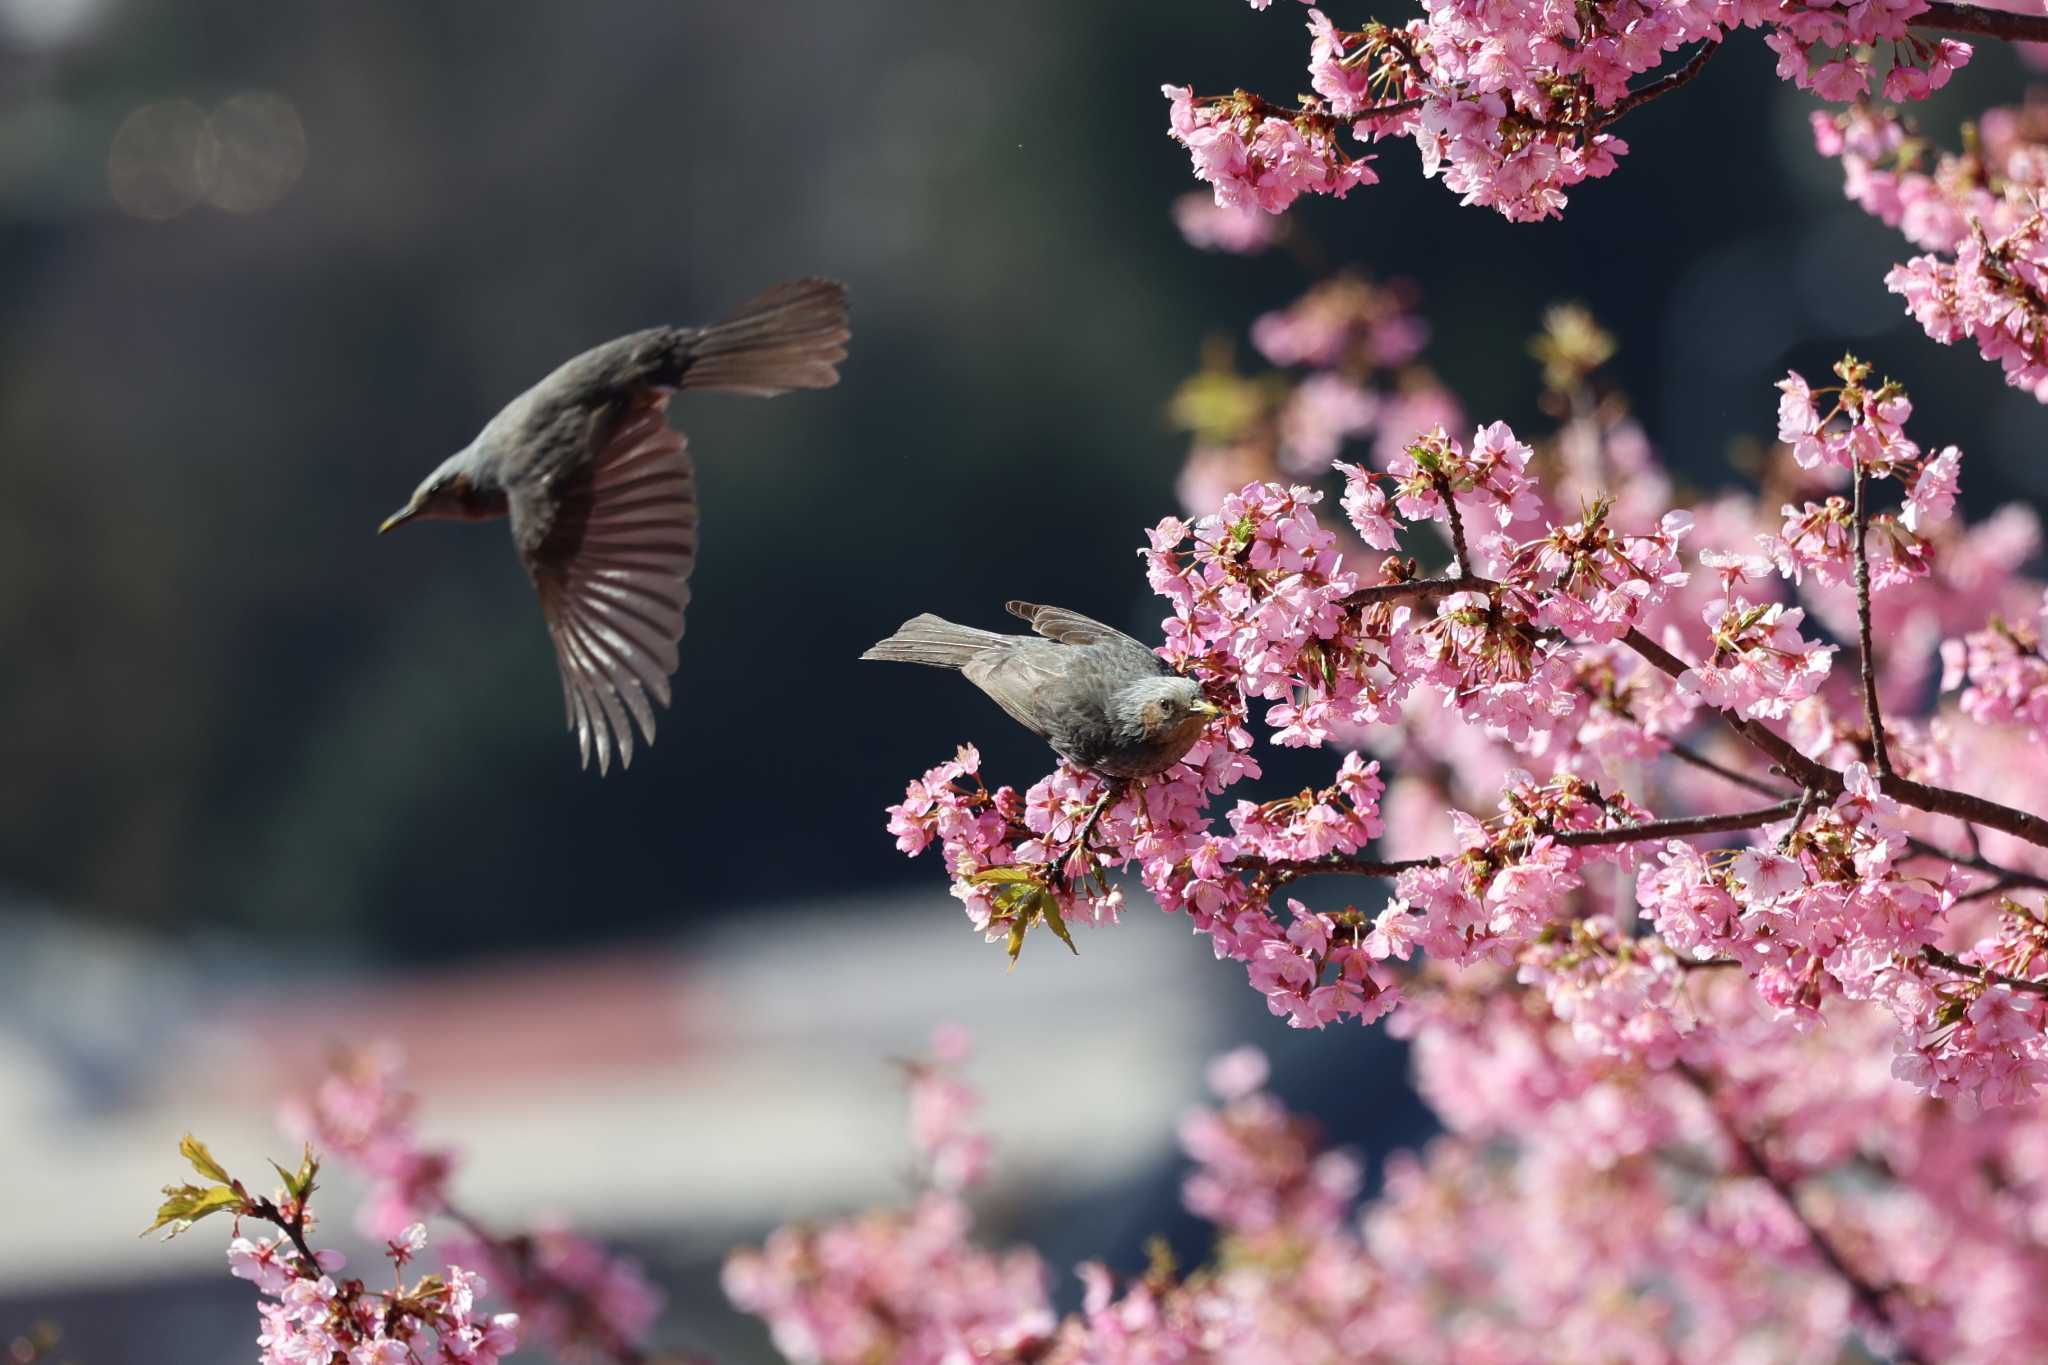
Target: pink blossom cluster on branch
x: 569, y: 1292
x: 313, y: 1315
x: 1510, y: 102
x: 1977, y: 216
x: 1560, y: 687
x: 1778, y: 1200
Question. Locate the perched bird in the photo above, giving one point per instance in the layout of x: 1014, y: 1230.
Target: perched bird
x: 603, y: 496
x: 1101, y: 699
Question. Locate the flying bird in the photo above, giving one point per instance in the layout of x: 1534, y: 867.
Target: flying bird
x: 1102, y: 700
x: 603, y: 496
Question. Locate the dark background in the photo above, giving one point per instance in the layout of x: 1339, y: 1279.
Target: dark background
x: 228, y: 711
x: 224, y: 701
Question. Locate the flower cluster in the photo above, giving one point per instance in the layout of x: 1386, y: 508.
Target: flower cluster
x: 1241, y: 230
x: 1770, y: 1200
x: 2006, y: 672
x: 1257, y: 157
x: 1978, y: 216
x: 1510, y: 103
x: 901, y: 1284
x: 311, y: 1314
x: 571, y: 1292
x: 1557, y: 669
x: 1347, y: 353
x: 361, y: 1112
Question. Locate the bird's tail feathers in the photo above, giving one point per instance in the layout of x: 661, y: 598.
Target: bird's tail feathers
x: 933, y: 640
x: 791, y: 337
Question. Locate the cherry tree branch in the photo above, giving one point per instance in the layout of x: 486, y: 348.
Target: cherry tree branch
x: 1936, y: 800
x: 1444, y: 490
x: 1950, y: 962
x: 584, y: 1312
x: 1944, y: 16
x: 293, y: 1227
x: 1873, y: 1299
x: 1788, y: 760
x: 1879, y: 754
x: 1699, y: 760
x: 1663, y: 85
x: 1683, y: 827
x: 1420, y: 590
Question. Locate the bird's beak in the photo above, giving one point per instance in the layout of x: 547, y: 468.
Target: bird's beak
x: 1206, y: 709
x: 401, y: 516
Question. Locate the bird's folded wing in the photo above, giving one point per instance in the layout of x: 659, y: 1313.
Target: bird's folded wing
x: 1028, y: 680
x: 610, y: 547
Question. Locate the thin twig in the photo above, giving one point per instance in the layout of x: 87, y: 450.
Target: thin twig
x: 1464, y: 565
x: 1938, y: 800
x: 2013, y: 878
x: 294, y: 1228
x: 1872, y: 716
x: 1825, y: 781
x: 1112, y: 791
x: 1335, y: 865
x: 585, y: 1314
x: 1805, y: 804
x: 1663, y: 85
x: 1419, y: 589
x: 1684, y: 827
x: 1699, y: 760
x: 1788, y: 759
x: 1950, y: 962
x: 1690, y: 826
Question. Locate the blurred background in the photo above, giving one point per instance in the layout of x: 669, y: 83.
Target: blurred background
x: 271, y: 783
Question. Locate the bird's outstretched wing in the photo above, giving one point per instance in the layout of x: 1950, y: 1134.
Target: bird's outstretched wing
x: 610, y: 546
x: 1068, y: 627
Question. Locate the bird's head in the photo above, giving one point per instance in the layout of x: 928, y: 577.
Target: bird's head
x: 453, y: 493
x: 1169, y: 709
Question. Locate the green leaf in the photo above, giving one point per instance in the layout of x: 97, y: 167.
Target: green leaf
x: 185, y: 1205
x: 1020, y: 895
x: 1057, y: 924
x: 298, y: 1184
x: 194, y: 1151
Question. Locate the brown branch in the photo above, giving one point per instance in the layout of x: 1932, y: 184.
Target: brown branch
x: 1721, y: 770
x: 1822, y: 780
x: 1663, y: 85
x: 1334, y: 865
x: 293, y: 1228
x: 1420, y: 589
x: 1788, y: 759
x: 1682, y: 827
x: 1450, y: 497
x: 1389, y: 110
x: 1936, y: 800
x: 1950, y: 962
x: 586, y: 1317
x: 1963, y: 806
x: 1872, y: 1298
x: 1944, y: 16
x: 1872, y: 716
x: 2012, y: 878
